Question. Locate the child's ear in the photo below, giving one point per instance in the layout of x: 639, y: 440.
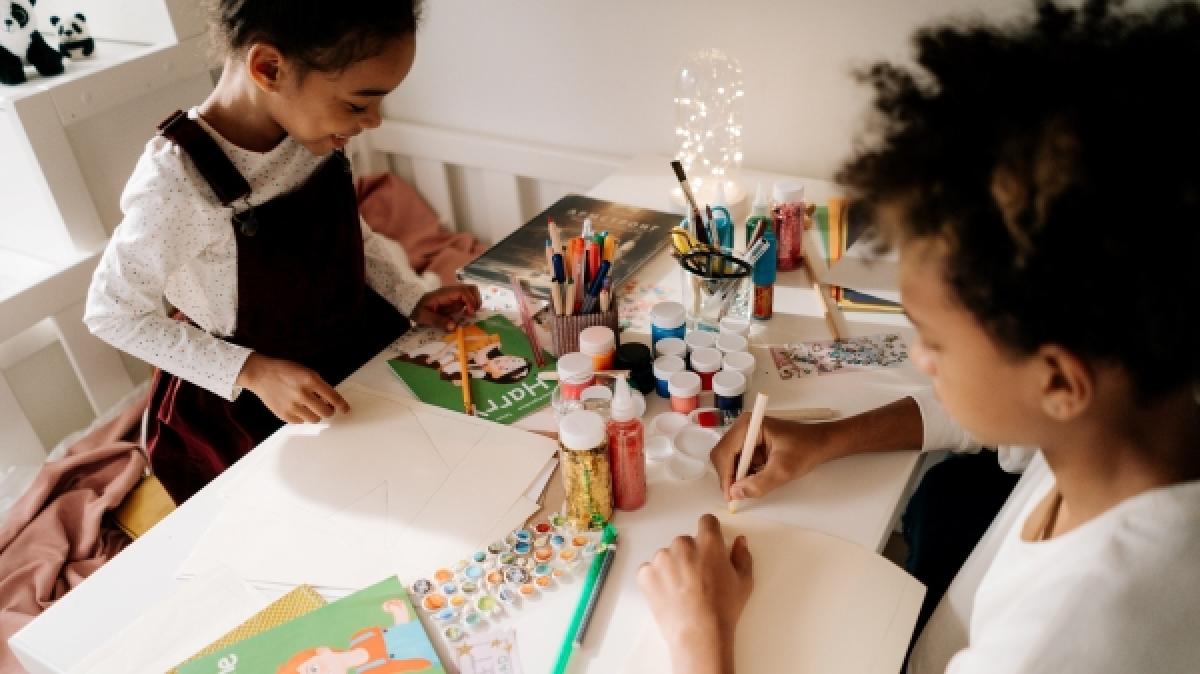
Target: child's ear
x: 1068, y: 383
x: 265, y: 62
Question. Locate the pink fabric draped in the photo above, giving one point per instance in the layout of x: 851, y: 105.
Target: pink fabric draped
x: 393, y: 208
x: 55, y: 535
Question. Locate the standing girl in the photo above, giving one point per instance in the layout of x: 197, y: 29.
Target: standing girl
x: 242, y: 214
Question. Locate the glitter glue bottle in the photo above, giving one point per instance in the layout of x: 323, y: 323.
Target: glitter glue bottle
x: 788, y: 215
x: 764, y: 280
x: 576, y: 372
x: 760, y: 211
x: 587, y: 477
x: 626, y: 450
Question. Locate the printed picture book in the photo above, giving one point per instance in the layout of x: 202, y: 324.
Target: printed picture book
x: 641, y: 233
x: 374, y: 627
x: 504, y: 374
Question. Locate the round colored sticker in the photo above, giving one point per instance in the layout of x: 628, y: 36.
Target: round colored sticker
x: 528, y: 589
x: 485, y: 603
x: 443, y: 575
x: 543, y: 554
x: 445, y: 614
x: 543, y: 581
x: 454, y: 633
x: 422, y: 586
x: 433, y: 602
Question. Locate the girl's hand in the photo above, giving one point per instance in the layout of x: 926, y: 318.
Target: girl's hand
x: 696, y: 590
x: 786, y: 450
x: 442, y: 308
x: 291, y: 391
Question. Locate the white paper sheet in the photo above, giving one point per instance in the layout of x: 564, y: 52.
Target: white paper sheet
x: 198, y: 613
x: 395, y: 487
x: 820, y: 605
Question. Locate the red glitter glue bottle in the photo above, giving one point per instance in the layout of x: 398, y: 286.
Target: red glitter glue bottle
x: 626, y: 450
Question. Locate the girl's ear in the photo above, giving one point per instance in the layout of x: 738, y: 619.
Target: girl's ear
x: 1068, y: 383
x: 265, y: 64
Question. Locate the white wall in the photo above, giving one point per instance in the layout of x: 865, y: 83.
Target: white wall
x: 599, y: 74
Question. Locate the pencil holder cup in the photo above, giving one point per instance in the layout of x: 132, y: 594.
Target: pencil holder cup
x: 564, y: 330
x: 711, y: 285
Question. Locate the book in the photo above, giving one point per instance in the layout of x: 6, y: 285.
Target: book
x: 641, y: 232
x: 504, y: 374
x: 821, y: 605
x: 376, y: 625
x: 843, y: 231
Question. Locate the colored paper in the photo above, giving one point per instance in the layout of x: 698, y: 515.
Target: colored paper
x: 819, y: 605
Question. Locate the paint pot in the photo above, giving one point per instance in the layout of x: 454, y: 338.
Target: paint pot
x: 453, y: 633
x: 664, y: 368
x: 541, y: 542
x: 575, y: 373
x: 558, y: 521
x: 671, y: 346
x: 685, y: 390
x: 568, y: 555
x: 668, y: 424
x: 707, y: 417
x: 635, y: 357
x: 433, y: 602
x: 685, y: 468
x: 658, y: 449
x: 706, y: 362
x: 742, y: 362
x: 667, y: 319
x: 728, y: 344
x: 600, y: 344
x: 587, y: 476
x: 731, y: 325
x: 699, y: 339
x: 422, y: 586
x: 729, y: 391
x: 696, y: 442
x: 445, y: 615
x: 443, y: 575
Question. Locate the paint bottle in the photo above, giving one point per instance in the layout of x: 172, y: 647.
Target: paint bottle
x: 635, y: 357
x: 575, y: 373
x: 764, y: 280
x: 587, y: 477
x: 600, y: 343
x: 664, y: 368
x: 667, y: 319
x: 729, y: 391
x: 699, y: 339
x: 706, y: 362
x: 728, y: 344
x: 685, y: 391
x: 788, y: 215
x: 671, y: 346
x: 742, y: 362
x: 626, y: 450
x: 732, y: 325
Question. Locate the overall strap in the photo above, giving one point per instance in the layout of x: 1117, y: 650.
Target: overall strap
x: 220, y: 173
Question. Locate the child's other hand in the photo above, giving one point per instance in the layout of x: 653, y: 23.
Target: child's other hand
x: 291, y: 391
x: 441, y: 308
x: 786, y: 450
x: 696, y: 590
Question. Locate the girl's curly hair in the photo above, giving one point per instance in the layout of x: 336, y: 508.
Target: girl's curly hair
x: 1058, y: 160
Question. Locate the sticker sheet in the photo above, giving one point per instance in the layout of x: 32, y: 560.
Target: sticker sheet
x: 855, y: 354
x: 491, y: 653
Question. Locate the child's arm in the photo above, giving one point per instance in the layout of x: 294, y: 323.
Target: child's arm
x: 697, y: 589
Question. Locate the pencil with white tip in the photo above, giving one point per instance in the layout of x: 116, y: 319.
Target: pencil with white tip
x: 752, y: 432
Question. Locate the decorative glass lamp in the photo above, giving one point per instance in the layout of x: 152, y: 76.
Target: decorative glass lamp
x: 708, y: 129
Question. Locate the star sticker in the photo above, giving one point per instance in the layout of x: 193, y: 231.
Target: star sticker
x: 465, y: 649
x: 497, y: 643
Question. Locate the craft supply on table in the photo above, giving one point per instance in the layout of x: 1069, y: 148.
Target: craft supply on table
x: 743, y: 362
x: 464, y: 371
x: 727, y: 344
x: 706, y: 362
x: 696, y: 442
x: 764, y: 279
x: 668, y: 424
x: 626, y: 450
x: 664, y: 368
x: 526, y: 317
x: 699, y: 339
x: 576, y: 372
x: 671, y: 346
x: 855, y: 354
x: 685, y: 390
x: 753, y: 430
x: 707, y: 417
x: 711, y: 282
x: 789, y: 214
x: 635, y: 357
x: 667, y: 319
x: 587, y: 475
x: 588, y: 597
x: 735, y: 325
x: 600, y: 343
x: 493, y: 652
x: 729, y: 390
x: 658, y: 448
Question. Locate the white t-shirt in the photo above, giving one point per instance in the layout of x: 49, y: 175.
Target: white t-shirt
x: 176, y: 241
x: 1120, y: 593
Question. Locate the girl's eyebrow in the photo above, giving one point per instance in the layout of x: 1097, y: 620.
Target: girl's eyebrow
x: 370, y: 92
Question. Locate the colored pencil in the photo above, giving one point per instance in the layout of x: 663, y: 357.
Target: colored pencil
x: 465, y: 374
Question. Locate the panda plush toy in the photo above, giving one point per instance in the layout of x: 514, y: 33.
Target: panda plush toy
x: 74, y: 39
x: 21, y: 43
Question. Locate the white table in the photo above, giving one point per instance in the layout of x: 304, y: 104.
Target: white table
x: 856, y: 498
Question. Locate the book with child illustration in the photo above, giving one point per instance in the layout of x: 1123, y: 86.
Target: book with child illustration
x: 641, y: 233
x: 376, y: 626
x: 504, y: 374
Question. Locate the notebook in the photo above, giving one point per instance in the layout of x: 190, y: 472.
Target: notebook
x: 376, y: 626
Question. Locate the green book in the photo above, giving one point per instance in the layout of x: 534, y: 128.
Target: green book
x: 504, y: 374
x: 373, y: 630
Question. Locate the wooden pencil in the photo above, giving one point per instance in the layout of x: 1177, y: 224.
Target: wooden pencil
x: 465, y: 373
x: 827, y: 306
x: 752, y: 432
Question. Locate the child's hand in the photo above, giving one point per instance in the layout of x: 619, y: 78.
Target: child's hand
x: 696, y: 590
x: 786, y: 450
x: 291, y: 391
x: 442, y: 308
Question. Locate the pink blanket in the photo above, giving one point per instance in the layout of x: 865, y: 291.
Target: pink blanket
x: 55, y: 536
x: 393, y: 208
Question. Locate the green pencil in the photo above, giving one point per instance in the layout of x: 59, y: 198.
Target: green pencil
x: 587, y: 600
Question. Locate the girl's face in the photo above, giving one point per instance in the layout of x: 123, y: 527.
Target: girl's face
x: 324, y: 110
x: 993, y: 394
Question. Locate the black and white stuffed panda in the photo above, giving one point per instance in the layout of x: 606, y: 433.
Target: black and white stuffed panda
x: 74, y: 39
x: 21, y: 43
